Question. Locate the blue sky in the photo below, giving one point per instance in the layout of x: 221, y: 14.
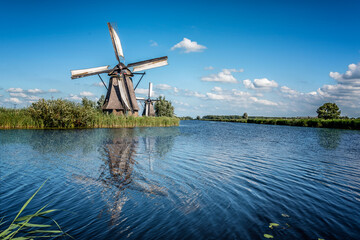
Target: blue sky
x: 270, y: 58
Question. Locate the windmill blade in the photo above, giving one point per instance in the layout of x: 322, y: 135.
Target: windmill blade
x: 116, y: 42
x: 147, y: 64
x: 140, y: 98
x: 123, y: 94
x: 89, y: 71
x: 150, y: 90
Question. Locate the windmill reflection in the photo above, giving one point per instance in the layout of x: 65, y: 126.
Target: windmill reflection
x: 128, y: 157
x: 119, y: 161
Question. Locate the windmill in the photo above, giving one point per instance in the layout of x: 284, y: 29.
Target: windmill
x: 120, y: 98
x: 148, y: 103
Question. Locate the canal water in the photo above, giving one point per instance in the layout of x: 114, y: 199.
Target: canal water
x: 202, y: 180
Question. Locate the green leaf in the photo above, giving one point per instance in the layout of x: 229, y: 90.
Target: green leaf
x: 285, y: 215
x: 34, y: 225
x: 268, y: 236
x: 22, y: 238
x: 4, y: 233
x: 273, y: 225
x: 35, y: 215
x: 45, y: 231
x: 27, y: 202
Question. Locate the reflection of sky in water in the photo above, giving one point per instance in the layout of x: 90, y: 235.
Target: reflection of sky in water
x: 200, y: 180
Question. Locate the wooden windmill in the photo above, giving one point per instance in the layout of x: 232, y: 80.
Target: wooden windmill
x: 148, y: 103
x: 120, y: 98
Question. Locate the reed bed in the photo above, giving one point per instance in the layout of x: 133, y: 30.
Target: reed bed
x: 63, y: 114
x: 353, y: 124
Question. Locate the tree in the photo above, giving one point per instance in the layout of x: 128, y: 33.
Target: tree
x: 163, y: 108
x: 198, y: 118
x: 245, y: 116
x: 328, y: 111
x: 100, y: 102
x: 87, y: 103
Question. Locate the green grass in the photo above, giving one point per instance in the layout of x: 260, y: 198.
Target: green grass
x: 63, y: 114
x: 353, y: 124
x: 22, y: 226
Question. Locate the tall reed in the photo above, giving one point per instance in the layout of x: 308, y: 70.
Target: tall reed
x: 65, y: 114
x: 21, y: 225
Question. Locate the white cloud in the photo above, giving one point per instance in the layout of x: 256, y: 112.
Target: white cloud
x: 180, y: 103
x: 287, y: 90
x: 350, y: 77
x: 98, y: 84
x: 215, y: 96
x: 141, y: 91
x: 240, y: 93
x: 166, y: 87
x: 263, y: 101
x: 193, y: 94
x: 163, y: 87
x: 189, y: 46
x: 86, y: 94
x: 228, y: 71
x: 13, y: 100
x: 153, y: 43
x: 260, y: 83
x: 248, y: 84
x: 234, y: 95
x: 15, y: 90
x: 35, y: 91
x: 217, y: 89
x: 347, y: 89
x: 20, y: 94
x: 52, y: 90
x: 75, y: 97
x: 209, y: 68
x: 32, y: 98
x: 224, y: 76
x: 265, y: 83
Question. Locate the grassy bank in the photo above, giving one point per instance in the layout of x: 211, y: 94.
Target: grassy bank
x: 353, y: 124
x: 63, y: 114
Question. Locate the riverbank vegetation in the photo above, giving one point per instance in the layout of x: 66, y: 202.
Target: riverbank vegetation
x: 328, y: 117
x: 64, y: 114
x: 300, y: 122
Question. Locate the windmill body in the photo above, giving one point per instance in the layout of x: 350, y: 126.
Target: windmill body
x: 120, y: 98
x: 148, y: 103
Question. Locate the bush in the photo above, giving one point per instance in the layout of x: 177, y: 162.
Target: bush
x: 163, y: 108
x: 63, y: 113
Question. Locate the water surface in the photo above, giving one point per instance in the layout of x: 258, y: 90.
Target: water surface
x: 202, y: 180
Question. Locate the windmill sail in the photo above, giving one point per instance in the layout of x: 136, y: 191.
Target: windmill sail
x: 147, y: 64
x: 150, y: 90
x: 89, y: 71
x: 123, y: 94
x: 116, y: 42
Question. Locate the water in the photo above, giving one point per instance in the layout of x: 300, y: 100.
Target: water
x: 202, y: 180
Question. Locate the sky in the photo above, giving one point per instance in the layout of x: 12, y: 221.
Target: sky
x: 266, y: 58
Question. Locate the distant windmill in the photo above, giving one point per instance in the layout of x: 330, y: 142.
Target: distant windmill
x: 120, y: 98
x: 148, y: 103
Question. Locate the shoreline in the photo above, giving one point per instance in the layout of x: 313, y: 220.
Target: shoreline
x: 113, y: 122
x: 349, y: 124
